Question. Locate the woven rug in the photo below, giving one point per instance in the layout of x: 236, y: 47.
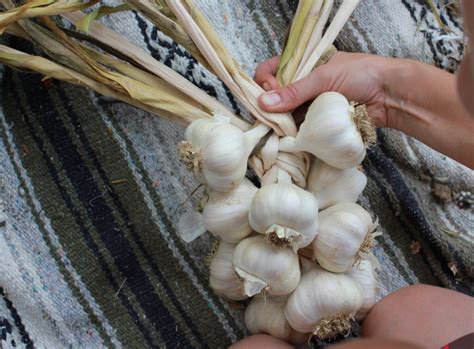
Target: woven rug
x: 91, y: 191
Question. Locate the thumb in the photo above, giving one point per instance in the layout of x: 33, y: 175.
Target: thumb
x: 290, y: 97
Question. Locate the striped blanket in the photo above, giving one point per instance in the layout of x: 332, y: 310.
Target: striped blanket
x: 91, y: 191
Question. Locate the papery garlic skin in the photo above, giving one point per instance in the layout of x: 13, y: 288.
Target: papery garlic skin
x: 323, y: 295
x: 364, y: 274
x: 287, y: 211
x: 266, y: 315
x: 266, y: 268
x: 342, y: 230
x: 226, y: 215
x: 217, y: 154
x: 223, y: 279
x: 329, y: 132
x: 332, y: 185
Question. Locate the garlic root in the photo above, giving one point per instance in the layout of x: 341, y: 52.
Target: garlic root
x: 364, y: 124
x: 368, y: 243
x: 333, y: 326
x: 189, y: 156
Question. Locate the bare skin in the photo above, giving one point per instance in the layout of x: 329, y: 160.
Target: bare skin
x: 260, y: 341
x: 420, y: 100
x: 427, y: 316
x: 415, y: 98
x: 429, y: 104
x: 414, y: 317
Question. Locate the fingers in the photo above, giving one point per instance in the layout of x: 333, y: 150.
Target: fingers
x: 265, y: 74
x: 288, y: 98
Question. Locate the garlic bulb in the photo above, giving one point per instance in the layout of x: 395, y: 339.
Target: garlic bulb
x: 227, y: 215
x: 364, y: 274
x: 323, y: 303
x: 266, y: 268
x: 331, y: 185
x: 223, y: 279
x: 266, y: 315
x: 344, y: 234
x: 285, y: 213
x: 224, y: 215
x: 334, y: 131
x: 217, y: 151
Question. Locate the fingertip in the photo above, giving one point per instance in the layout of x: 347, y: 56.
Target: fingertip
x: 266, y: 86
x: 271, y: 101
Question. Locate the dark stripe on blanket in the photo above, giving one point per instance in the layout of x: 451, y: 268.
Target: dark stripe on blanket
x: 119, y: 203
x: 413, y: 13
x: 390, y: 219
x: 25, y: 337
x: 100, y: 214
x: 34, y: 140
x: 142, y: 24
x: 411, y: 209
x: 54, y: 253
x: 204, y: 279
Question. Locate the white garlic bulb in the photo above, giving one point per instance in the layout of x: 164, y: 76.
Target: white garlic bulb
x: 331, y: 185
x: 344, y: 234
x: 334, y: 131
x: 226, y: 215
x: 266, y: 315
x: 266, y: 268
x: 217, y: 151
x: 223, y: 279
x: 285, y: 213
x: 323, y: 303
x: 364, y: 273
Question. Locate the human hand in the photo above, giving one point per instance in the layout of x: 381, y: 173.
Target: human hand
x: 359, y: 77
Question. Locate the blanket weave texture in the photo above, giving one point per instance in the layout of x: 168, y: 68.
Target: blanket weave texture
x: 91, y: 191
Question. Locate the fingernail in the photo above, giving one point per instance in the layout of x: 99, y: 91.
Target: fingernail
x: 266, y: 86
x: 270, y: 99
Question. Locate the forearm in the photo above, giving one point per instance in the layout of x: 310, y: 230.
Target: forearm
x: 422, y: 101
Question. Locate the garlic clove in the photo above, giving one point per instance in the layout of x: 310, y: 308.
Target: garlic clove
x: 323, y: 303
x: 332, y: 132
x: 265, y: 268
x: 286, y: 214
x: 344, y: 235
x: 266, y: 315
x: 223, y: 279
x: 331, y: 185
x: 364, y: 274
x: 226, y: 214
x: 191, y: 226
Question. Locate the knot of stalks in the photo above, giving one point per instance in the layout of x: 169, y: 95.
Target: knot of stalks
x: 332, y: 326
x: 364, y: 124
x: 189, y: 156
